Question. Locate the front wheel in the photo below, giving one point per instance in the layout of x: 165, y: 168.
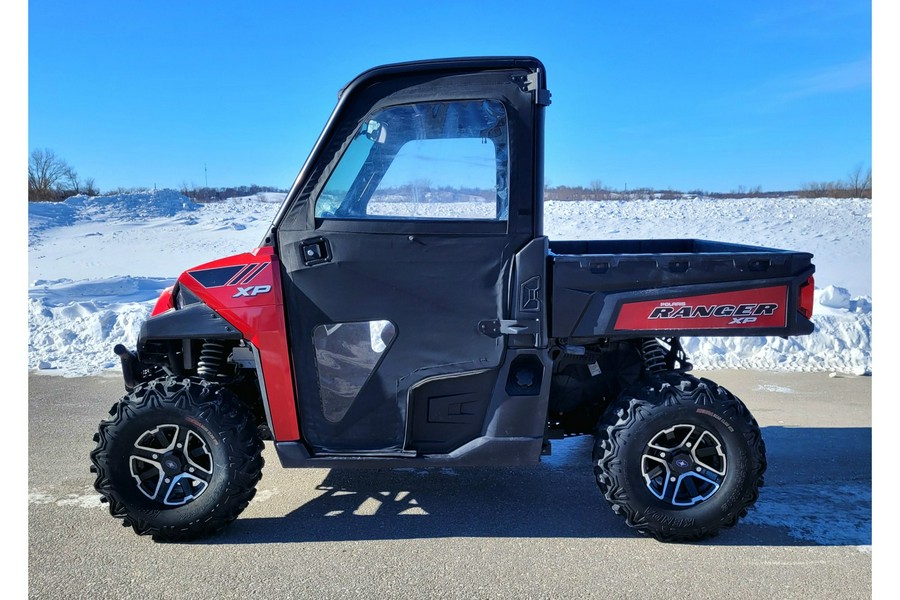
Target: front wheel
x: 178, y: 459
x: 679, y: 457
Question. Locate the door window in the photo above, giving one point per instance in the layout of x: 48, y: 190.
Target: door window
x: 346, y: 355
x: 433, y: 160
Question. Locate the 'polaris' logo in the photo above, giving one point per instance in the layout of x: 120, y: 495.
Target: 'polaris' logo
x: 742, y: 313
x: 253, y: 290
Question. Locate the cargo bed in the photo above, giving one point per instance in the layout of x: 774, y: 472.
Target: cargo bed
x: 674, y: 287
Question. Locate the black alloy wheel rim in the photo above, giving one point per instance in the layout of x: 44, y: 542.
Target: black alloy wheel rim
x: 684, y: 465
x: 171, y: 465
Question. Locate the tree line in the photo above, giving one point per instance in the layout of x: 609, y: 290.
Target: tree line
x: 857, y: 184
x: 210, y: 194
x: 51, y: 178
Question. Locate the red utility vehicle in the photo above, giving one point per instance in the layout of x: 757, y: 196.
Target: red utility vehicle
x: 406, y: 309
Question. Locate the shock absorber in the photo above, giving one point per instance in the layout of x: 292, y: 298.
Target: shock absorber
x: 654, y: 355
x: 212, y: 358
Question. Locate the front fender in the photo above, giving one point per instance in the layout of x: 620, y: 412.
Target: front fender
x: 197, y: 321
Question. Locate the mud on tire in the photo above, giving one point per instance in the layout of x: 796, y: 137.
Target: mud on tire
x: 679, y: 457
x: 178, y: 459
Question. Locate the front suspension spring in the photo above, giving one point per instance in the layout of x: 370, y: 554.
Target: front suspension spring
x: 212, y: 358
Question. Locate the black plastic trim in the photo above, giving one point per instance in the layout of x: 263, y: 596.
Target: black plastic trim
x: 197, y: 321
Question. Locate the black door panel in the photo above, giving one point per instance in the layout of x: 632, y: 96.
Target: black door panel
x: 435, y: 291
x: 397, y: 240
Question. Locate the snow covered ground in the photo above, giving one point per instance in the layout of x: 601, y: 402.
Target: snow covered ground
x: 96, y: 266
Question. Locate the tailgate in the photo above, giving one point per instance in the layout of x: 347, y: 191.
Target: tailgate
x: 659, y: 288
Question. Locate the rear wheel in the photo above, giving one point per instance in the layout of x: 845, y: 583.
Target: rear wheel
x: 178, y: 459
x: 679, y: 457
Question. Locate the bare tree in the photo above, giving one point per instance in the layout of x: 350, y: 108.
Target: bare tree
x: 52, y: 178
x: 70, y: 179
x: 860, y: 182
x: 46, y: 173
x: 90, y: 187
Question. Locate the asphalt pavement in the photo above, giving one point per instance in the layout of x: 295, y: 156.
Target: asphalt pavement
x: 532, y: 532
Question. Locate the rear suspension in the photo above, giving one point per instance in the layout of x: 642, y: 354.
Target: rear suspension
x: 664, y: 354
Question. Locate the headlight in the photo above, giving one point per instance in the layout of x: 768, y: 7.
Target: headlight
x: 184, y: 297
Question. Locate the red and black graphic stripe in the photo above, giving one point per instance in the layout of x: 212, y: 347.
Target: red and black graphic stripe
x: 251, y: 275
x: 228, y: 276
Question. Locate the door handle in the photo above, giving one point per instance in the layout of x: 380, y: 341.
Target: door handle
x: 315, y: 251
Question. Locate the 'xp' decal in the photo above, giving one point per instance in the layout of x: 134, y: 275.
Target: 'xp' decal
x: 759, y: 307
x: 255, y: 290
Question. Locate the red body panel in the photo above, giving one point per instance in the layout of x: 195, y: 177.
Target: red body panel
x: 245, y: 290
x: 760, y: 307
x: 163, y: 303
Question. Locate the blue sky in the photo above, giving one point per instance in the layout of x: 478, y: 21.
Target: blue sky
x: 696, y: 94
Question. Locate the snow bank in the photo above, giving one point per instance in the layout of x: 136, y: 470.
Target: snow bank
x: 97, y: 266
x: 74, y: 325
x: 842, y: 342
x: 141, y: 206
x: 838, y: 232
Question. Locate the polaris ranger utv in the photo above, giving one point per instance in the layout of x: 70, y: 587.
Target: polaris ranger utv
x: 405, y: 309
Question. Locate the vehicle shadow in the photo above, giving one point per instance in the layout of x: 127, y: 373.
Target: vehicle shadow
x: 817, y: 492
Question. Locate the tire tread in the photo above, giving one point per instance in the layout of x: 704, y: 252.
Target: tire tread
x: 637, y: 405
x: 210, y: 403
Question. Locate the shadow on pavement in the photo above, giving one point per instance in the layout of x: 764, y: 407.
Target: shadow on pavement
x: 817, y: 492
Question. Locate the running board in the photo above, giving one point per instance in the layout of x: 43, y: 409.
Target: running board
x: 357, y: 455
x: 480, y: 452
